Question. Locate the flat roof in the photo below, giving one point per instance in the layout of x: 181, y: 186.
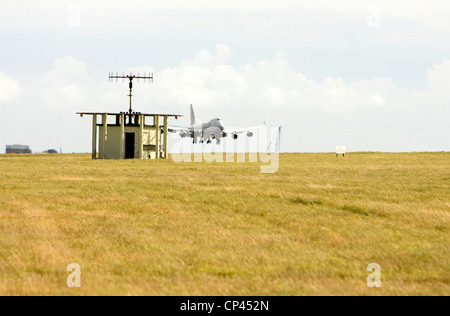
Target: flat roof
x: 17, y: 147
x: 145, y: 114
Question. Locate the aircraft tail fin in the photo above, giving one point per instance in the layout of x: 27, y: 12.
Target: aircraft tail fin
x: 192, y: 116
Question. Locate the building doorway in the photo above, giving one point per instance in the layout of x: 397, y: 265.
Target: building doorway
x: 129, y: 145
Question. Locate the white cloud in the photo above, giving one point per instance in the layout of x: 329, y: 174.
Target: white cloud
x: 208, y: 81
x: 405, y: 8
x: 415, y: 21
x: 370, y: 114
x: 9, y: 88
x: 439, y: 78
x: 205, y: 58
x: 66, y: 85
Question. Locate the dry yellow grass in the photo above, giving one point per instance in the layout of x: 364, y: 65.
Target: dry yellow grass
x: 161, y: 228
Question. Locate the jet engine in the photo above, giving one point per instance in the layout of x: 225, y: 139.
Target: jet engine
x: 183, y: 134
x: 235, y: 136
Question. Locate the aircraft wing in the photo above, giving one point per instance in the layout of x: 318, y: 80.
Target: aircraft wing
x: 245, y: 130
x: 174, y: 129
x: 183, y: 131
x: 234, y: 133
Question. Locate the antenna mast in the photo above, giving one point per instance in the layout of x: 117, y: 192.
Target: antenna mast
x: 130, y: 77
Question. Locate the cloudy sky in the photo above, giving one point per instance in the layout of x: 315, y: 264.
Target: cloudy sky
x: 371, y: 75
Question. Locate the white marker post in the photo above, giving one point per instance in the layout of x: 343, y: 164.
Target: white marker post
x: 340, y: 150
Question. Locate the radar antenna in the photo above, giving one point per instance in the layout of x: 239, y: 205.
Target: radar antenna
x: 130, y: 77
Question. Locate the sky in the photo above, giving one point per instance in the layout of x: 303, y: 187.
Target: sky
x: 370, y: 75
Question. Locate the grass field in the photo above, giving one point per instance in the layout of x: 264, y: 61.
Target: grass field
x: 163, y: 228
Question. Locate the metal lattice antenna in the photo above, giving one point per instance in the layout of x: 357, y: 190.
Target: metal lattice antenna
x: 131, y: 77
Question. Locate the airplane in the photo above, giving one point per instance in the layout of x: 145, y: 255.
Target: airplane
x: 213, y: 129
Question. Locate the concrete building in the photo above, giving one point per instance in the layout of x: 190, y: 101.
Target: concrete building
x: 17, y: 149
x: 129, y: 135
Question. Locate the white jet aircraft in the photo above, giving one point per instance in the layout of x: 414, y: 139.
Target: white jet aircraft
x: 208, y: 131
